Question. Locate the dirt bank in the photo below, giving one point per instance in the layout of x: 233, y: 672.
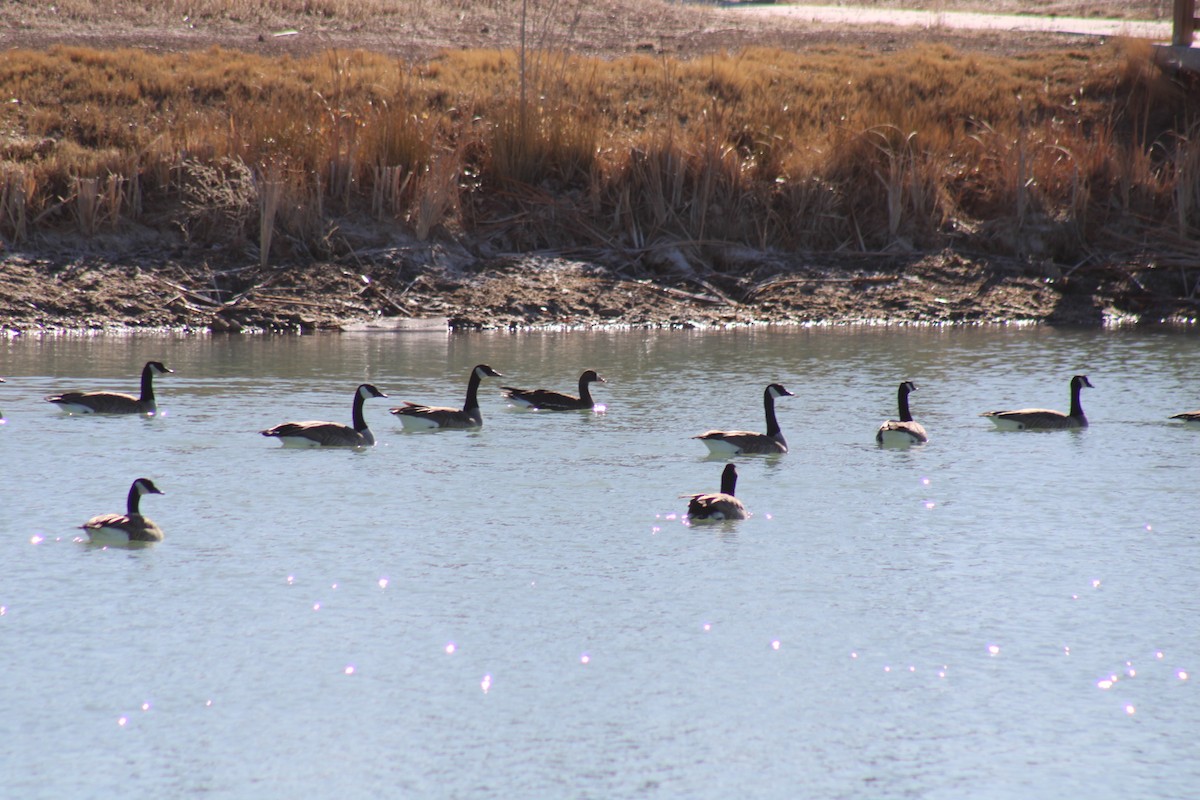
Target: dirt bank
x: 388, y: 285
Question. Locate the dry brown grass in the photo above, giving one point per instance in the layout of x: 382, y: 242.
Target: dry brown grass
x: 1044, y: 154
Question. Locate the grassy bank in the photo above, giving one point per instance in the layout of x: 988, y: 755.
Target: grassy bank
x: 1053, y: 155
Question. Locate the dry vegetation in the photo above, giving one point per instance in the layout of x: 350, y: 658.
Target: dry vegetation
x: 1065, y: 155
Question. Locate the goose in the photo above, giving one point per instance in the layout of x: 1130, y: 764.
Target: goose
x: 113, y: 402
x: 904, y: 431
x: 724, y: 443
x: 330, y: 434
x: 130, y: 527
x: 417, y: 417
x: 556, y: 401
x: 1040, y: 419
x: 719, y: 505
x: 1188, y: 417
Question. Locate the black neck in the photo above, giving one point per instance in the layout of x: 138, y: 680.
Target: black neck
x: 769, y: 405
x: 147, y: 384
x: 905, y: 414
x: 728, y: 481
x: 472, y: 402
x: 131, y: 502
x: 1076, y: 408
x: 585, y: 393
x: 360, y: 424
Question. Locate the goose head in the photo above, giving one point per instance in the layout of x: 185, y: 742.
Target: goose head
x: 366, y: 391
x: 778, y: 390
x: 145, y: 486
x: 484, y: 371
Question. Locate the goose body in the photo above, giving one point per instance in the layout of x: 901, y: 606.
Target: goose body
x: 1042, y: 419
x: 904, y: 431
x: 330, y: 434
x: 418, y: 417
x: 720, y: 505
x: 1188, y: 417
x: 130, y: 527
x: 113, y: 402
x: 731, y: 443
x: 556, y: 401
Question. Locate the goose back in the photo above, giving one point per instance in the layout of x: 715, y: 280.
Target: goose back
x: 904, y: 431
x: 727, y: 443
x: 114, y: 402
x: 548, y: 400
x: 722, y: 505
x: 316, y: 433
x: 1044, y: 419
x: 415, y: 417
x: 128, y: 528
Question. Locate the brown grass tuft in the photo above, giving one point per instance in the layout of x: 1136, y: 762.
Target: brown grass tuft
x: 837, y: 150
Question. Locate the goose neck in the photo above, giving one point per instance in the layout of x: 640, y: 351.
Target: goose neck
x: 905, y: 413
x: 360, y: 422
x: 1076, y: 406
x: 131, y: 502
x: 769, y: 407
x: 147, y: 384
x: 472, y: 401
x: 728, y: 482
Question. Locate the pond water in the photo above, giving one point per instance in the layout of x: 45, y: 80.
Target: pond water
x: 522, y: 612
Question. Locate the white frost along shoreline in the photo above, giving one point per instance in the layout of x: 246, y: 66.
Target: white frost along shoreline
x: 964, y: 20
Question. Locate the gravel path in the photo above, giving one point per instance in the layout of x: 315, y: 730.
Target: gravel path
x: 963, y: 20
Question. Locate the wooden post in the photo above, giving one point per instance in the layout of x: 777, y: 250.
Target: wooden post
x: 1184, y: 23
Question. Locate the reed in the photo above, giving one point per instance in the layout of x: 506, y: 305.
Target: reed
x: 1186, y: 160
x: 270, y: 190
x: 436, y: 196
x: 829, y: 150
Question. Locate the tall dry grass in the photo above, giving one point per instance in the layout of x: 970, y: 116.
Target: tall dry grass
x: 1044, y: 155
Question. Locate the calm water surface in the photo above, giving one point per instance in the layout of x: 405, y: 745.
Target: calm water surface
x: 521, y: 612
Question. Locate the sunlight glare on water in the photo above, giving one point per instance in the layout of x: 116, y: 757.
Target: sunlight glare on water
x: 522, y: 611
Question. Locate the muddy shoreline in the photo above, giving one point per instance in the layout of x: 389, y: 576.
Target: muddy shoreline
x: 78, y: 286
